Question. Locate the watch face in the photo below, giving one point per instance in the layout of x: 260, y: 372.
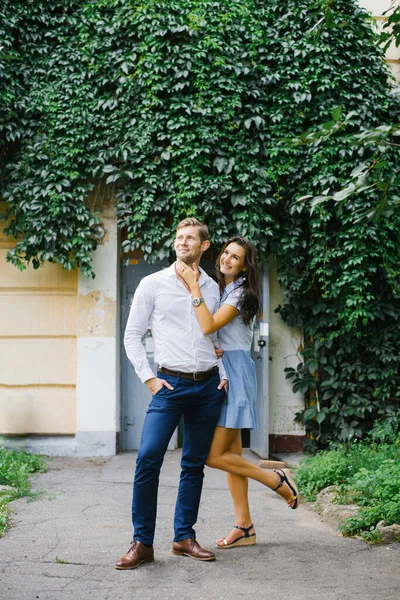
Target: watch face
x: 197, y: 301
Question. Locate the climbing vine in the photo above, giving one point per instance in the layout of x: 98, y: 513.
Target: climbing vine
x: 189, y: 107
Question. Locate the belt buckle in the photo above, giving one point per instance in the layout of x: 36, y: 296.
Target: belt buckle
x: 194, y: 376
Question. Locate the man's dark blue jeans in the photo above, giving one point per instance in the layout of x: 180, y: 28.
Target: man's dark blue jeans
x: 200, y: 404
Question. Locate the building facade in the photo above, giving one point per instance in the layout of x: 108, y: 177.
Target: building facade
x: 64, y: 384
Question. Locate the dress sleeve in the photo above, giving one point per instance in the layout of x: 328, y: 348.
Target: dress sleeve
x: 233, y: 298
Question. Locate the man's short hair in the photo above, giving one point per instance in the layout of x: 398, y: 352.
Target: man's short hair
x: 193, y: 222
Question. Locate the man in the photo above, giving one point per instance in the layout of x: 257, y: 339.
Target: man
x: 187, y: 383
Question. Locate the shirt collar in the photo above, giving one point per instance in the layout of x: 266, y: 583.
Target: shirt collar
x: 202, y: 279
x: 232, y: 285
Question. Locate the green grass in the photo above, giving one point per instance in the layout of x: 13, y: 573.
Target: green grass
x: 366, y: 473
x: 15, y: 470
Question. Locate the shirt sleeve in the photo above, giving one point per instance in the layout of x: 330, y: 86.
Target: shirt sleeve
x: 137, y: 325
x: 221, y: 368
x: 233, y: 298
x: 222, y: 372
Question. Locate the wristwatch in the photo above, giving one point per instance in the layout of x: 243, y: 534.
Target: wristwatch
x: 197, y: 301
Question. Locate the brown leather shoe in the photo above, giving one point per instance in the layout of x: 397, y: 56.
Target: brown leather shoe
x: 136, y: 555
x: 191, y: 548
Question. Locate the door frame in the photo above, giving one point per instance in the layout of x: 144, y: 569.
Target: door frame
x: 259, y: 438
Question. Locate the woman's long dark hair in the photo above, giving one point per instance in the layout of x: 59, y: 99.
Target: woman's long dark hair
x: 250, y: 303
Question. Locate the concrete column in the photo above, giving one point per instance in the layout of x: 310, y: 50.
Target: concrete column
x: 97, y: 386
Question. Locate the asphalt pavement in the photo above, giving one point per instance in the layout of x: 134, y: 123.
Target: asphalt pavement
x: 63, y: 546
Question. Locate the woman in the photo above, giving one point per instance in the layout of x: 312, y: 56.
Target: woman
x: 239, y: 282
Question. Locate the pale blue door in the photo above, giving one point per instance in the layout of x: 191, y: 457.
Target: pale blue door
x: 135, y: 397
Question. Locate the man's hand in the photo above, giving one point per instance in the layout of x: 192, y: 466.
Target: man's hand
x: 224, y: 383
x: 155, y: 384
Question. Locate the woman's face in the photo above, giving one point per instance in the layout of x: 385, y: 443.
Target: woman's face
x: 232, y: 261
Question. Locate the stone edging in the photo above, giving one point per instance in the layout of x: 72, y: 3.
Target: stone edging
x: 333, y: 514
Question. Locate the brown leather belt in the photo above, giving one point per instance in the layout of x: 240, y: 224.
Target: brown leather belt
x: 199, y: 376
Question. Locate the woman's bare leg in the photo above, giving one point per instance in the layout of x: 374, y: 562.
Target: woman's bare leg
x: 220, y: 457
x: 238, y: 486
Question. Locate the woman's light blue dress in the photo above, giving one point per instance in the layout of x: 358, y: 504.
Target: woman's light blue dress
x: 239, y: 408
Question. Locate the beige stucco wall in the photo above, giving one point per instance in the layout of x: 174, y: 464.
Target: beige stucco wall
x: 59, y: 350
x: 377, y: 8
x: 37, y: 347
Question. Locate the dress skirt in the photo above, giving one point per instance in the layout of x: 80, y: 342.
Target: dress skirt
x: 239, y: 408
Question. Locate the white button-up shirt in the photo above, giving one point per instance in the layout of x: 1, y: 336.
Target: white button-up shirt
x: 162, y: 303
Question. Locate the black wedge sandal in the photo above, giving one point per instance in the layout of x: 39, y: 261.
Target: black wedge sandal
x: 248, y: 539
x: 285, y: 477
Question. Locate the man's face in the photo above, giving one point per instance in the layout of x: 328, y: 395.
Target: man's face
x: 188, y: 245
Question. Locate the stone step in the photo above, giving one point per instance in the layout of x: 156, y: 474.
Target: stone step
x: 271, y: 464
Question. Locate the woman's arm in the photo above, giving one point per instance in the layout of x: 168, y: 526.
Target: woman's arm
x: 208, y: 322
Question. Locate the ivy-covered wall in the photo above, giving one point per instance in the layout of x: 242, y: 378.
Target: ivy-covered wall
x: 190, y: 107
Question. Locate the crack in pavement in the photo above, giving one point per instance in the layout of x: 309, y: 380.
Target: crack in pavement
x: 52, y: 549
x: 51, y: 562
x: 76, y: 564
x: 33, y: 525
x: 49, y: 576
x: 90, y: 506
x: 58, y: 590
x: 366, y: 549
x: 10, y: 559
x: 119, y: 482
x: 75, y: 579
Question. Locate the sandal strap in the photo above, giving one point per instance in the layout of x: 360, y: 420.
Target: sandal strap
x: 244, y: 529
x: 283, y: 479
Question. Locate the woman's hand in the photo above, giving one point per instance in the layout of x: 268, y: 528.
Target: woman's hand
x: 190, y: 274
x: 218, y: 351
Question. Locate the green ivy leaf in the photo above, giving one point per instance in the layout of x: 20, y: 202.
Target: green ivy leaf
x: 310, y: 413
